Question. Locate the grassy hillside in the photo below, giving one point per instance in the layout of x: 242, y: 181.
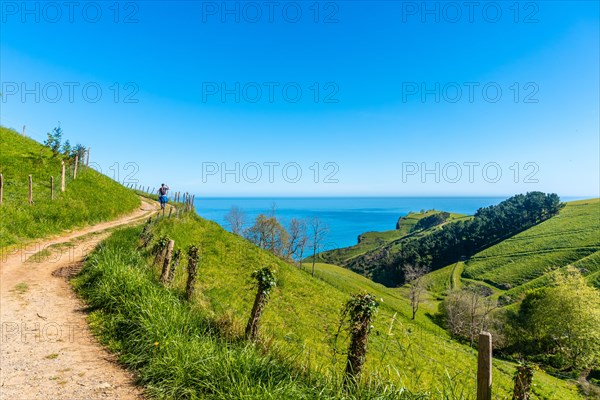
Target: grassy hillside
x: 199, y: 353
x: 89, y: 199
x: 523, y: 261
x: 371, y: 241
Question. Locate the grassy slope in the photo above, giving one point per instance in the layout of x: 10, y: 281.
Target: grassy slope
x: 303, y: 314
x: 89, y: 199
x: 370, y: 241
x: 523, y: 261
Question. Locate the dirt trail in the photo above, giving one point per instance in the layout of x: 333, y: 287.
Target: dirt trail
x: 47, y: 350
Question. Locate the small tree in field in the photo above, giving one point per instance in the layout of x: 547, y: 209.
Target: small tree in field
x: 236, y: 219
x: 413, y: 274
x: 466, y: 312
x: 296, y: 239
x: 54, y: 140
x: 78, y: 150
x: 317, y: 230
x: 66, y: 149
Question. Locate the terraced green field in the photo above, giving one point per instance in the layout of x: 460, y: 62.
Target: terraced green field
x: 523, y: 261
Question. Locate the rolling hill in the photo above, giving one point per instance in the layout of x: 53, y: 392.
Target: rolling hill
x: 89, y: 199
x: 523, y: 261
x: 373, y: 242
x: 134, y: 314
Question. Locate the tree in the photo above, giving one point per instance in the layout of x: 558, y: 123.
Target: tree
x: 236, y: 219
x: 53, y: 140
x: 564, y: 319
x: 466, y: 312
x: 413, y: 275
x: 267, y: 233
x: 66, y: 149
x: 318, y: 231
x: 78, y: 150
x: 297, y: 239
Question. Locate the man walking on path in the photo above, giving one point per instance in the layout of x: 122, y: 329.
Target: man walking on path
x: 162, y: 196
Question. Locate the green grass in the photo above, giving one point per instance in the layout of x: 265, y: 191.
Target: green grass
x: 179, y: 350
x: 89, y: 199
x: 522, y: 261
x: 199, y: 354
x: 21, y: 287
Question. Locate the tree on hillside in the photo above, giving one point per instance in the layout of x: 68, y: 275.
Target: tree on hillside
x: 297, y: 239
x: 318, y: 231
x: 236, y: 219
x: 413, y: 274
x: 562, y: 321
x: 267, y: 233
x: 54, y: 140
x: 78, y: 150
x: 466, y: 312
x: 466, y: 237
x: 66, y: 149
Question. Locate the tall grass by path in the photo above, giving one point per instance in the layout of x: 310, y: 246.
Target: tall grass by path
x: 178, y: 351
x: 297, y: 326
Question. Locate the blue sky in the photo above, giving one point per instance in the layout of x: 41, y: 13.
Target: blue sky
x: 315, y: 98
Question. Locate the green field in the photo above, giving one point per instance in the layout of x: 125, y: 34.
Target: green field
x: 297, y: 330
x: 89, y: 199
x: 524, y: 260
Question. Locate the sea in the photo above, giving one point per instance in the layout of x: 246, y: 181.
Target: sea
x: 345, y: 217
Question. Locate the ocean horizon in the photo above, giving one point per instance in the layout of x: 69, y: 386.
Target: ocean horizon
x: 346, y: 217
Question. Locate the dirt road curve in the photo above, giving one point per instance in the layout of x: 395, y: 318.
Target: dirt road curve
x: 47, y: 351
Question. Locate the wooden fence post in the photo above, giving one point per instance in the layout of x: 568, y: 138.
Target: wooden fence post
x: 484, y: 367
x: 1, y: 188
x: 174, y: 264
x: 62, y: 177
x: 24, y: 130
x: 87, y: 159
x: 30, y: 190
x: 75, y: 167
x: 193, y: 257
x: 167, y: 262
x: 51, y: 188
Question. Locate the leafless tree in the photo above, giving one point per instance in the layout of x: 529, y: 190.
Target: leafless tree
x: 236, y: 219
x: 297, y: 239
x: 466, y: 312
x: 413, y: 274
x: 318, y: 230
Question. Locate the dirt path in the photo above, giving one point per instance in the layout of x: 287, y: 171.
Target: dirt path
x: 47, y: 351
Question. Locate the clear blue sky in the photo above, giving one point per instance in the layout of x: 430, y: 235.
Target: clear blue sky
x: 387, y: 105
